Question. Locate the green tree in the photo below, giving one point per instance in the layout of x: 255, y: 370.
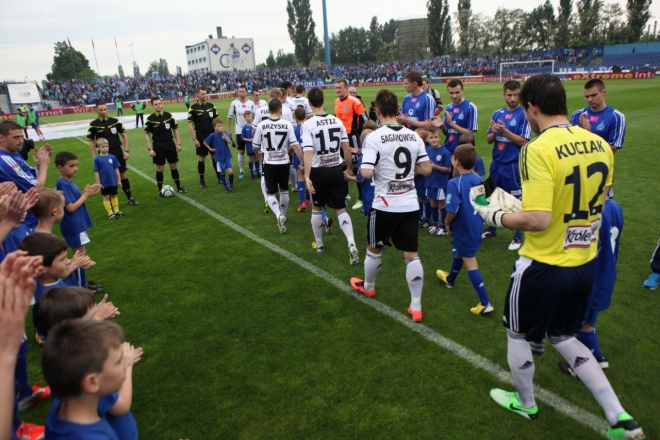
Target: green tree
x: 611, y: 28
x: 350, y: 45
x: 463, y: 18
x: 638, y: 15
x: 374, y: 35
x: 564, y: 19
x: 589, y: 18
x: 159, y: 66
x: 285, y: 59
x: 62, y: 67
x: 439, y: 22
x: 270, y: 61
x: 301, y: 28
x: 388, y: 31
x: 541, y: 26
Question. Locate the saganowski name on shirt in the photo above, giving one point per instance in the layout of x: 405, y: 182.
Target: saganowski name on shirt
x: 398, y: 137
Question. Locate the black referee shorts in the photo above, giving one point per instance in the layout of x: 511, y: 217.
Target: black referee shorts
x: 547, y: 300
x: 165, y: 153
x: 202, y: 150
x: 119, y: 154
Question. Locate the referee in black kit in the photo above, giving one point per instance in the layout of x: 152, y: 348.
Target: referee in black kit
x: 163, y: 127
x: 110, y: 128
x: 200, y: 124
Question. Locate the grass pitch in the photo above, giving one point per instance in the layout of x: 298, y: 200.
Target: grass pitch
x: 242, y: 343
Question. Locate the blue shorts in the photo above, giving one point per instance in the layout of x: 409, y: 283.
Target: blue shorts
x: 248, y: 149
x: 507, y: 177
x: 35, y: 125
x: 77, y: 239
x: 436, y: 193
x: 547, y: 300
x: 463, y: 250
x: 222, y: 166
x: 420, y: 186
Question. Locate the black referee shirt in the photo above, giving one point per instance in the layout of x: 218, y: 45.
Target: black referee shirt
x: 109, y: 128
x: 160, y: 127
x: 202, y: 116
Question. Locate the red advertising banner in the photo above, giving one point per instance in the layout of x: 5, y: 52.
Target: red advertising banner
x: 637, y: 74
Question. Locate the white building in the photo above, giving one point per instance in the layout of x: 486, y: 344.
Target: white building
x: 221, y: 54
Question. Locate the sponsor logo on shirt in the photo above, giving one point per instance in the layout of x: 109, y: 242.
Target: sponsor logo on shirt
x: 279, y: 155
x: 593, y: 118
x: 400, y: 187
x: 411, y: 112
x: 508, y: 116
x: 329, y: 161
x: 456, y: 110
x: 581, y: 235
x: 500, y: 146
x: 448, y: 198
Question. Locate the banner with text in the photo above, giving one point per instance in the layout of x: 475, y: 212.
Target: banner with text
x: 26, y: 93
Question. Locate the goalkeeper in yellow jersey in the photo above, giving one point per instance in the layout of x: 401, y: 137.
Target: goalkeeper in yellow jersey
x: 565, y: 172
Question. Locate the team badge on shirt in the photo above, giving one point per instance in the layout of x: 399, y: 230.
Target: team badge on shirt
x: 461, y: 117
x: 513, y: 123
x: 113, y: 130
x: 601, y: 126
x: 167, y: 126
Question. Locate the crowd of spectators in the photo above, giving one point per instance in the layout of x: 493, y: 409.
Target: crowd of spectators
x: 81, y: 92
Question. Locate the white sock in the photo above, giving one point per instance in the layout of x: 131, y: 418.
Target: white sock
x: 317, y: 227
x: 415, y: 278
x: 587, y: 369
x: 263, y: 188
x: 521, y: 363
x: 346, y: 226
x: 274, y: 205
x: 284, y: 202
x: 372, y: 265
x: 293, y: 177
x: 241, y: 161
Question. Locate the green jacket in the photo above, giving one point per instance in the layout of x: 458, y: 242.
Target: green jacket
x: 138, y: 107
x: 21, y: 120
x: 32, y: 116
x: 119, y: 103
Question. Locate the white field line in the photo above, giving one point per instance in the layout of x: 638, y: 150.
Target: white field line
x: 560, y: 404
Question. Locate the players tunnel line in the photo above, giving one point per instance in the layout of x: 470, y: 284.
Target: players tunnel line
x: 560, y: 404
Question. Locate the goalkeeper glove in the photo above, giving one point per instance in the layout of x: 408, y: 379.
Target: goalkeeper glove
x: 492, y: 203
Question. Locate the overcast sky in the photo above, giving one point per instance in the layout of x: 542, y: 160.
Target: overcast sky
x: 27, y: 35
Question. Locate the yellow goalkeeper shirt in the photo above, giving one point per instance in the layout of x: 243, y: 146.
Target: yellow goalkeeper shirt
x: 564, y: 170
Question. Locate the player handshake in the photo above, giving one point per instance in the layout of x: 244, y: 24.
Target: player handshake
x: 492, y: 203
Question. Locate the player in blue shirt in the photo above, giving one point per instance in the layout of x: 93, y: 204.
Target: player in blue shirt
x: 611, y: 226
x: 599, y: 118
x: 368, y: 188
x: 106, y: 172
x: 461, y: 116
x: 436, y: 182
x: 465, y: 225
x: 218, y: 143
x: 14, y: 169
x: 509, y: 130
x: 420, y: 187
x: 417, y: 108
x: 247, y: 135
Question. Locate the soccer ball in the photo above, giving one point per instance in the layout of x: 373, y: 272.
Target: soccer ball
x: 167, y: 191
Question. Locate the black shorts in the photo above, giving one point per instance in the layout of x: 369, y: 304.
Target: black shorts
x: 401, y: 227
x: 544, y: 299
x: 166, y: 153
x: 330, y: 187
x: 109, y: 191
x: 202, y: 150
x: 276, y: 176
x: 240, y: 143
x: 119, y: 154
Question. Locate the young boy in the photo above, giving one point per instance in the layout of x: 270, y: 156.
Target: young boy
x: 367, y: 185
x: 85, y: 361
x: 76, y: 218
x: 300, y: 116
x: 48, y: 210
x: 106, y: 172
x: 218, y: 143
x: 479, y: 168
x: 465, y: 225
x: 247, y: 135
x: 436, y: 182
x: 420, y: 186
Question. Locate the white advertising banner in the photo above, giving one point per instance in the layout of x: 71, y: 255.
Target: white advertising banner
x: 227, y: 54
x: 23, y: 93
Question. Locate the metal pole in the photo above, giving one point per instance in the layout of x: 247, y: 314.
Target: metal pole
x: 325, y: 34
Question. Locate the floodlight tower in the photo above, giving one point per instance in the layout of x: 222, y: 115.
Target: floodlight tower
x: 325, y: 34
